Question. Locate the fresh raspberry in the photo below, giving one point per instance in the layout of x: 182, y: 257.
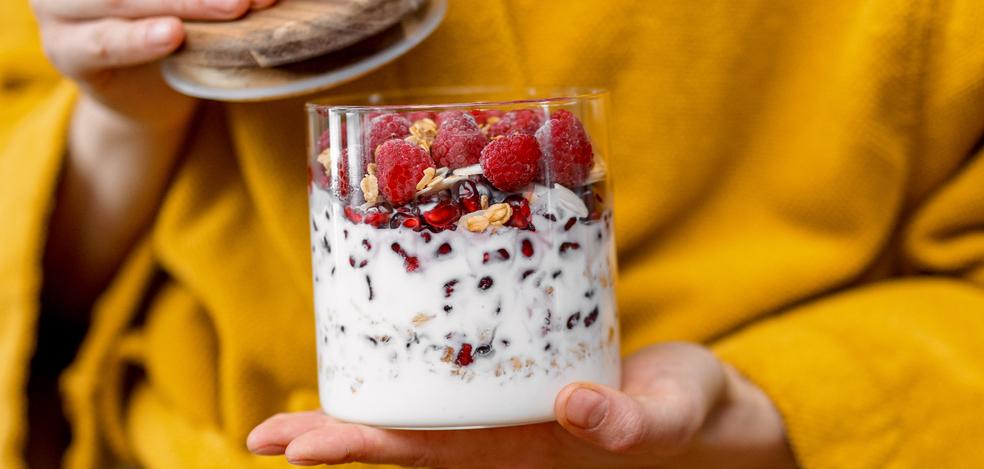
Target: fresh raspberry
x: 511, y: 162
x: 449, y: 120
x: 399, y: 167
x: 482, y: 115
x: 566, y: 148
x: 418, y: 115
x: 459, y: 140
x: 526, y: 121
x: 386, y: 127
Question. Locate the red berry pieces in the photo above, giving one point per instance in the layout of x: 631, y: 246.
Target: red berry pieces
x: 521, y: 212
x: 443, y: 216
x: 409, y: 262
x: 418, y: 115
x: 353, y: 215
x: 527, y: 248
x: 459, y: 140
x: 464, y: 357
x: 591, y: 318
x: 566, y: 148
x: 511, y: 162
x: 444, y: 249
x: 399, y: 166
x: 482, y: 116
x: 386, y: 127
x: 485, y: 283
x: 526, y: 121
x: 449, y: 288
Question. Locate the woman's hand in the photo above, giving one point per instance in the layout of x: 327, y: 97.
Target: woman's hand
x: 103, y: 45
x: 679, y: 407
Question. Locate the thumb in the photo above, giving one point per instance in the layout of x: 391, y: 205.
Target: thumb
x: 664, y: 422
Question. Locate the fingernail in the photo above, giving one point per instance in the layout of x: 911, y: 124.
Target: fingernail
x: 269, y: 450
x: 224, y: 6
x: 586, y: 408
x: 160, y: 33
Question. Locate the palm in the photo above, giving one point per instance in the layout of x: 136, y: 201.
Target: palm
x: 668, y: 393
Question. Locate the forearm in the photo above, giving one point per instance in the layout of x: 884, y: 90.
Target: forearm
x: 115, y: 172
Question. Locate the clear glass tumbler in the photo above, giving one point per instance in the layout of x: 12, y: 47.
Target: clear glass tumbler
x: 463, y: 254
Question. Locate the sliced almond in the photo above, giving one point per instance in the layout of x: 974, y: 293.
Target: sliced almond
x: 371, y: 169
x: 421, y: 318
x: 426, y: 179
x: 597, y: 173
x: 472, y: 170
x: 568, y: 200
x: 484, y: 201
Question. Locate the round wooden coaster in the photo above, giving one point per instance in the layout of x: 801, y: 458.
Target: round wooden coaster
x: 297, y: 47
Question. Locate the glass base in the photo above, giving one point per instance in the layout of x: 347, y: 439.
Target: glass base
x: 464, y: 427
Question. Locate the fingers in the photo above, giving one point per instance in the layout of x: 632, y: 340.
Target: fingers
x: 674, y: 388
x: 188, y: 9
x: 341, y: 443
x: 79, y: 48
x: 275, y: 433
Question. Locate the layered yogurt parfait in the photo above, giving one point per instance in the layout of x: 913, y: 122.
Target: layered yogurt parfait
x: 463, y: 259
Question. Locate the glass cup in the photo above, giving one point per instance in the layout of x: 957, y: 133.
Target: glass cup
x: 463, y: 255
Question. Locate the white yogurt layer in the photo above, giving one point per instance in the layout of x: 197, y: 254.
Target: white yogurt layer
x: 393, y: 344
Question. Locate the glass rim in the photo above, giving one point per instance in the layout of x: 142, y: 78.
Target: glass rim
x: 555, y: 94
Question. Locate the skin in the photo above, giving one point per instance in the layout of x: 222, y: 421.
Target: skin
x: 126, y: 130
x: 679, y: 407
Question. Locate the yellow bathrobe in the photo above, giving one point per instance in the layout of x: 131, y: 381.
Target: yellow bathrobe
x: 799, y: 185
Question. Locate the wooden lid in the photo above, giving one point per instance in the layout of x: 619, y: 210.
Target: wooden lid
x: 289, y: 32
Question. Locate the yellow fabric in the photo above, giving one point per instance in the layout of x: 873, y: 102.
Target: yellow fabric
x: 798, y: 184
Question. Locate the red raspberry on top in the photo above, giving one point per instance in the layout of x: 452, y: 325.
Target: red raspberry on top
x: 459, y: 140
x: 482, y: 115
x: 566, y: 149
x: 399, y: 167
x: 415, y: 116
x: 511, y: 162
x: 386, y: 127
x: 526, y: 121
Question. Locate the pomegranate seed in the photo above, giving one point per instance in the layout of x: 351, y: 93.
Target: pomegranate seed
x: 351, y: 261
x: 464, y: 355
x: 444, y: 215
x: 527, y: 248
x: 521, y: 212
x: 366, y: 244
x: 426, y: 236
x: 572, y: 321
x: 352, y: 215
x: 503, y: 254
x: 411, y: 263
x: 564, y: 247
x: 591, y: 318
x: 485, y: 258
x: 444, y: 249
x: 527, y: 273
x: 570, y: 223
x: 485, y: 283
x: 471, y: 204
x: 449, y: 288
x: 377, y: 219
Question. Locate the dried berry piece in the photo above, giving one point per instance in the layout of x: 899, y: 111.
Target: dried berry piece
x: 485, y: 283
x: 411, y: 263
x: 464, y: 357
x: 511, y: 162
x: 449, y: 288
x: 444, y: 249
x: 591, y: 318
x: 573, y: 319
x: 353, y: 215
